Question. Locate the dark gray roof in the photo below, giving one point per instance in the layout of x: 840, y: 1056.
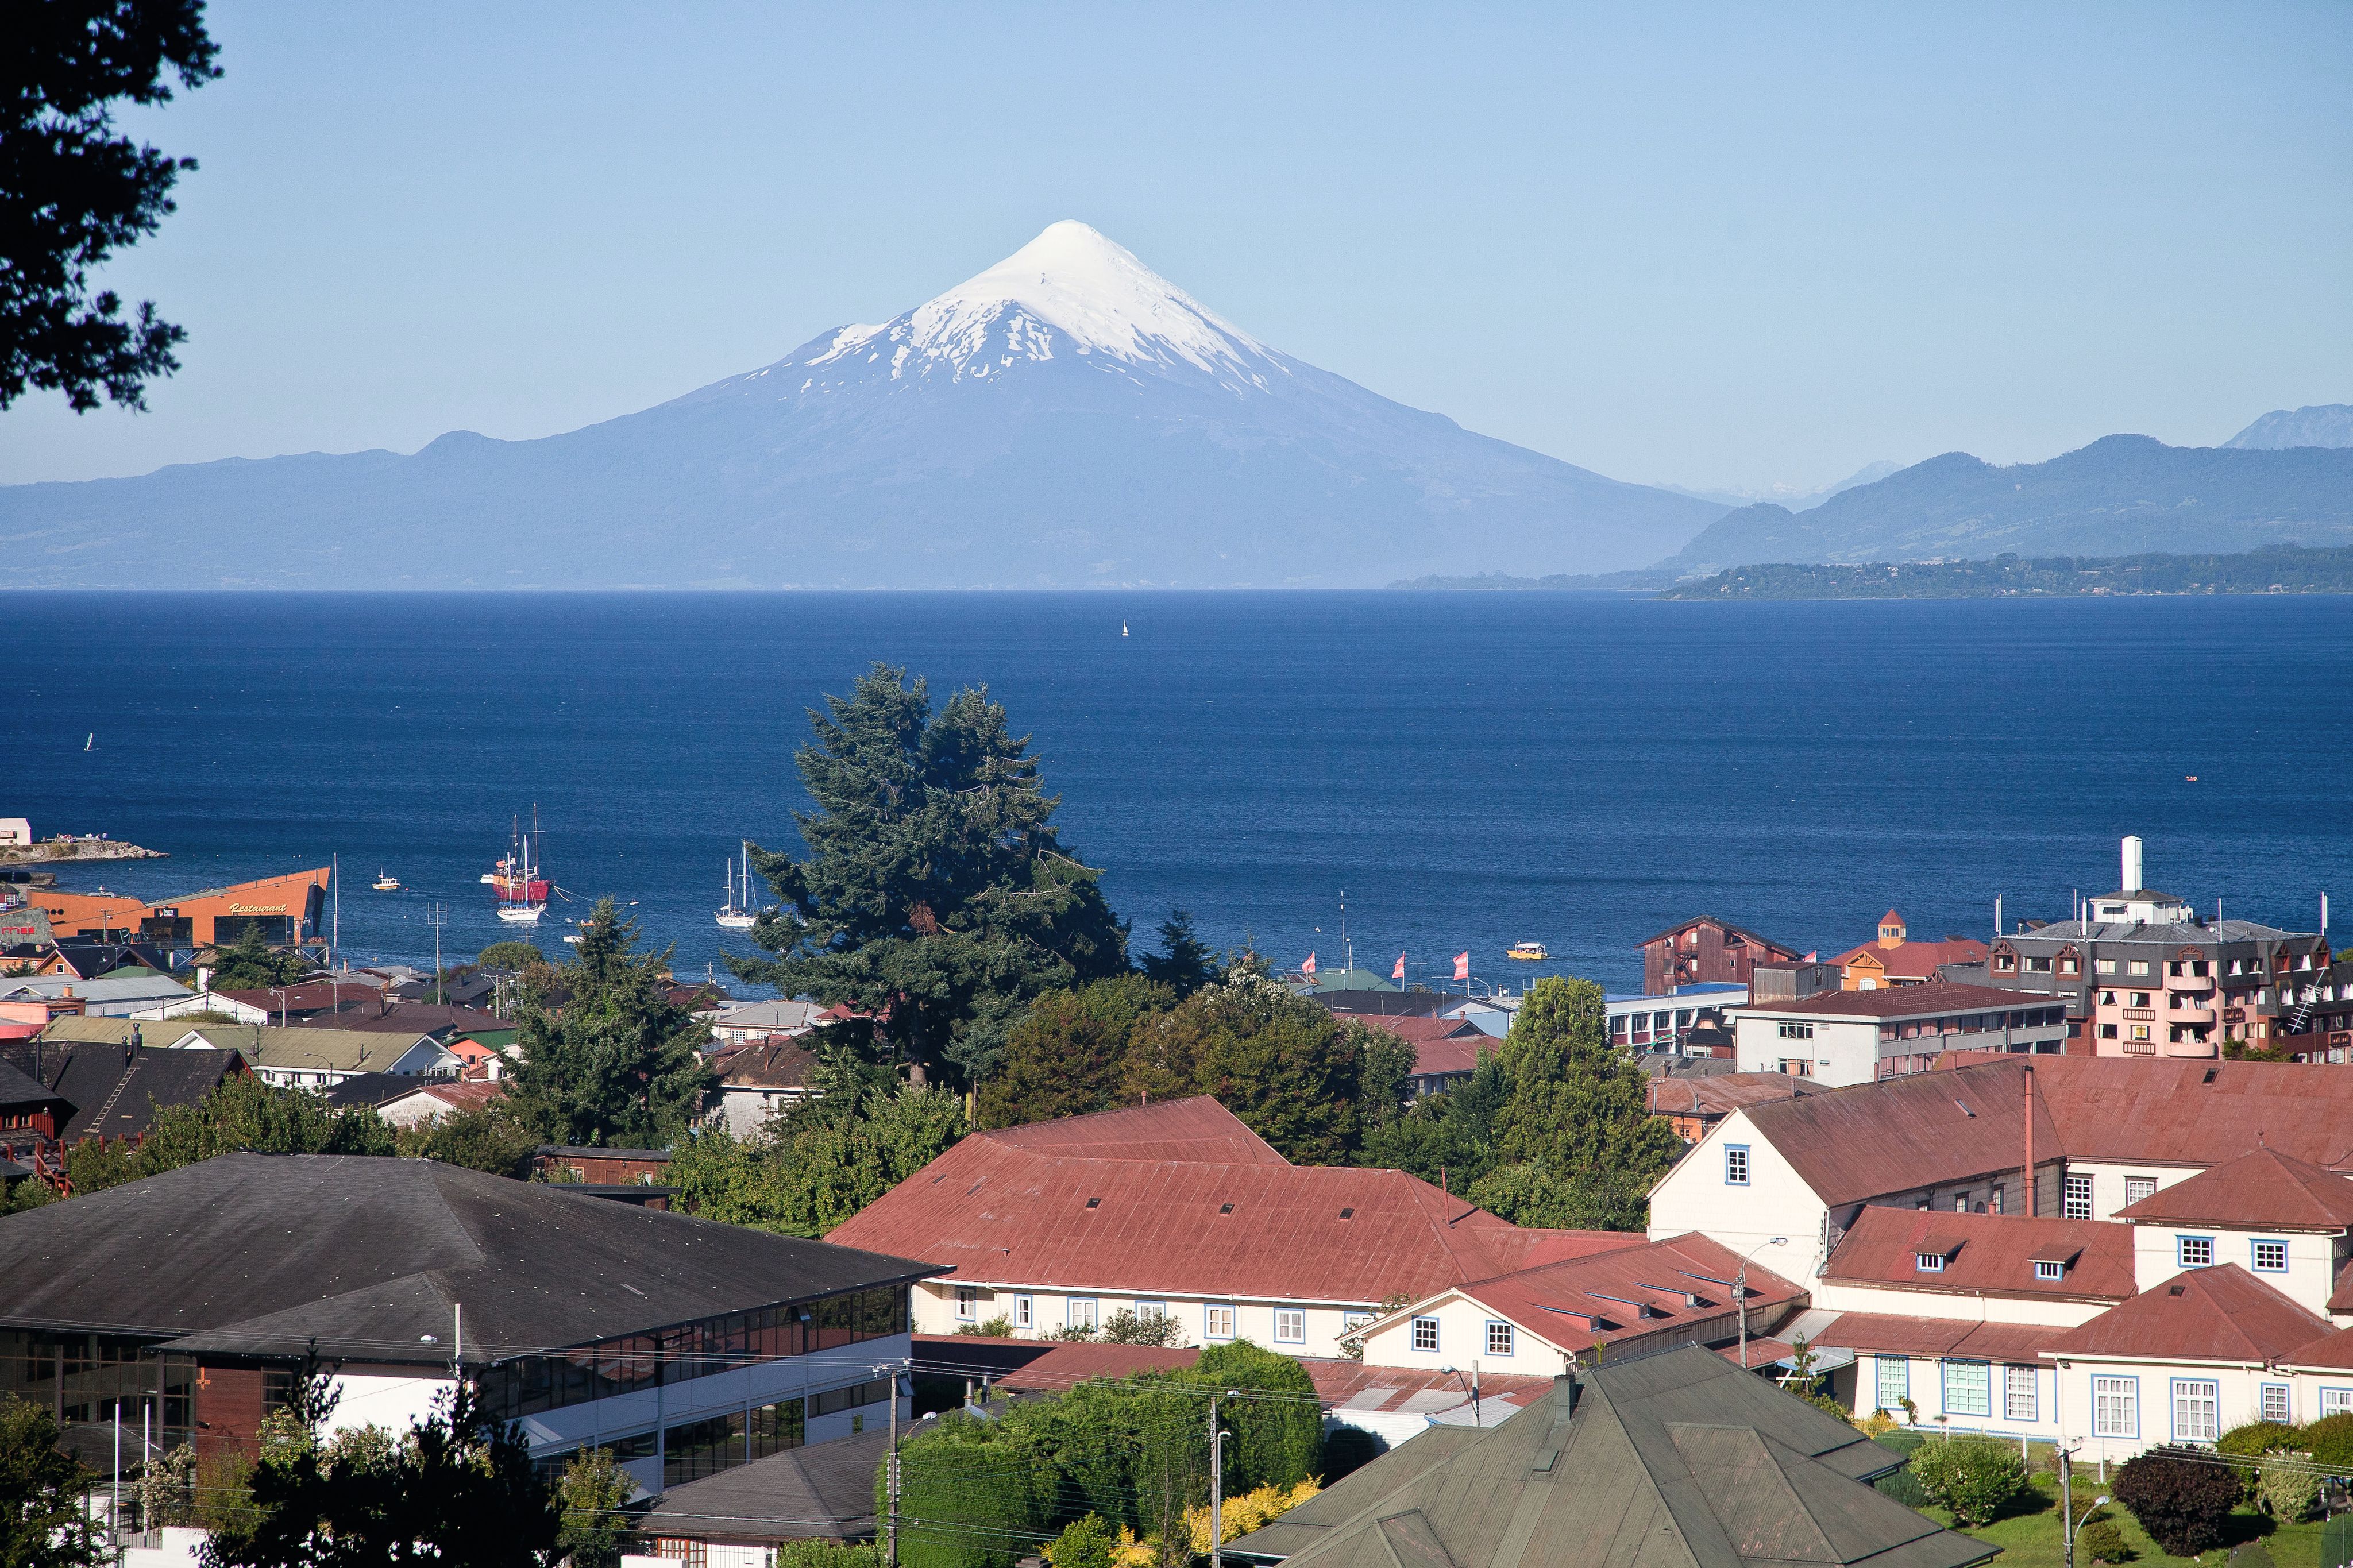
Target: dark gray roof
x: 116, y: 1091
x: 260, y: 1255
x: 1679, y: 1460
x: 825, y: 1491
x: 17, y: 1088
x: 599, y: 1152
x: 373, y: 1088
x: 2058, y: 933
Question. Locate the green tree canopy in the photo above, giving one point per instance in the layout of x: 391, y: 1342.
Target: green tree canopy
x: 1068, y: 1053
x: 515, y: 956
x: 811, y: 1169
x: 480, y: 1138
x: 615, y: 1062
x: 72, y: 191
x: 1280, y: 1062
x: 936, y: 897
x: 249, y: 963
x: 42, y: 1522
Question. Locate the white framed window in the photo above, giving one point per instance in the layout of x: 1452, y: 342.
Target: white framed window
x: 1289, y: 1326
x: 2076, y: 1197
x: 2139, y: 1187
x: 2272, y: 1404
x: 967, y: 1303
x: 2270, y: 1257
x: 1217, y: 1322
x: 2197, y: 1410
x: 1928, y: 1262
x: 2336, y: 1400
x: 2193, y: 1251
x: 1736, y: 1164
x: 1968, y: 1388
x: 1797, y: 1031
x: 2137, y: 966
x: 1152, y: 1309
x: 2046, y: 1269
x: 1425, y: 1335
x: 2017, y: 1398
x: 1024, y: 1312
x: 1084, y: 1313
x: 1499, y: 1338
x: 2115, y: 1407
x: 1895, y: 1376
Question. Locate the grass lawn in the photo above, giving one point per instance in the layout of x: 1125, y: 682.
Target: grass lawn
x: 2030, y: 1537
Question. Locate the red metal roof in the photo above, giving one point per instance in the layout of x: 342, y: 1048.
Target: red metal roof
x: 1414, y: 1028
x: 1194, y: 1129
x: 2331, y: 1352
x: 2262, y: 1188
x: 1985, y: 1254
x: 2222, y: 1313
x: 1019, y: 1208
x: 466, y: 1094
x: 1860, y: 1142
x: 1722, y: 1093
x: 1456, y: 1055
x: 1941, y: 997
x: 1632, y: 1291
x: 1895, y: 1334
x: 2131, y: 1110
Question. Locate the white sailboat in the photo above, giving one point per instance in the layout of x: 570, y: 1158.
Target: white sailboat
x: 734, y: 916
x: 522, y: 886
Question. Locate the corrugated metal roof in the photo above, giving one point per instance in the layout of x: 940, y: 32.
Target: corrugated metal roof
x: 2262, y: 1188
x: 1938, y: 997
x: 1119, y: 1202
x: 1895, y: 1334
x: 1632, y: 1291
x: 2201, y: 1314
x: 1718, y: 1094
x: 1852, y: 1144
x: 1985, y: 1254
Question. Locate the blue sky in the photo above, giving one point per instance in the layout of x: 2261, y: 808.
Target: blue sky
x: 1700, y: 244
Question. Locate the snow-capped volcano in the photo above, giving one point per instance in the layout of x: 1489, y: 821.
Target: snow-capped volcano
x: 1067, y: 417
x: 1069, y: 291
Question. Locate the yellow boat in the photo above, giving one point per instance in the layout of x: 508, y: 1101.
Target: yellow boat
x: 1531, y: 950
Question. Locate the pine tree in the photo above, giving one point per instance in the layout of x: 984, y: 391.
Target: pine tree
x: 1066, y: 1055
x: 608, y: 1059
x: 1185, y: 963
x: 936, y: 898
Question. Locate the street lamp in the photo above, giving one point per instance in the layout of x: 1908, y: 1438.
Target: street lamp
x: 1740, y: 1288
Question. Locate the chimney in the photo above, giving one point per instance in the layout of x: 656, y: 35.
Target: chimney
x: 2132, y: 866
x: 2030, y: 1141
x: 204, y: 978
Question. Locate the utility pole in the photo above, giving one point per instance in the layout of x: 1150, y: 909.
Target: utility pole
x: 437, y: 916
x: 1216, y: 1489
x: 1740, y: 1288
x: 2067, y: 1504
x: 890, y: 1514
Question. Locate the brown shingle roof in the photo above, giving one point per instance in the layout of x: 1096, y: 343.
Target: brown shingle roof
x: 1124, y: 1215
x: 2262, y: 1188
x: 2201, y: 1314
x: 1985, y: 1254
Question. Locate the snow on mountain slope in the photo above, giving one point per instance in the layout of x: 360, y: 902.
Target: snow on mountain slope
x: 1067, y: 417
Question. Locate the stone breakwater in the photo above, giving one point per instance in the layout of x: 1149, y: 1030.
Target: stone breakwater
x: 54, y: 850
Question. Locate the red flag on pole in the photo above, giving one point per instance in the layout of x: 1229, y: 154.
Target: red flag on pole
x: 1399, y: 972
x: 1462, y: 965
x: 1308, y: 967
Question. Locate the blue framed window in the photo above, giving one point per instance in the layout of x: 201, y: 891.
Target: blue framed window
x: 1425, y: 1335
x: 1894, y: 1381
x: 2336, y: 1400
x: 1736, y: 1164
x: 2269, y: 1255
x: 1968, y: 1388
x: 1217, y: 1320
x: 2193, y: 1252
x: 2116, y: 1406
x: 2272, y: 1404
x: 1290, y: 1325
x: 2197, y: 1410
x: 2019, y: 1400
x: 1083, y: 1313
x: 1500, y: 1338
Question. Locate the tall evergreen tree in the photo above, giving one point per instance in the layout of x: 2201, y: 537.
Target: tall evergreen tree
x: 1280, y: 1062
x: 1185, y: 963
x: 936, y: 898
x: 608, y: 1059
x: 1066, y: 1055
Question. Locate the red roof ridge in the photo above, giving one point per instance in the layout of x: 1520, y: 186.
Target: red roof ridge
x: 2199, y: 1314
x: 1169, y: 1126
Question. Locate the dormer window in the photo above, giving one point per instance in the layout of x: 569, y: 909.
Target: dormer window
x: 2049, y: 1270
x: 1928, y: 1262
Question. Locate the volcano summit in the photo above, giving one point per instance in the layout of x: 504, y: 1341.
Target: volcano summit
x: 1066, y: 418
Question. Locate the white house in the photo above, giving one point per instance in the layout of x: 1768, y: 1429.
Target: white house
x: 1859, y: 1036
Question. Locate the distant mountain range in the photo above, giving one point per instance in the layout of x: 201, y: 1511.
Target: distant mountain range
x: 1790, y: 495
x: 2323, y: 424
x: 1066, y: 418
x: 2279, y: 569
x: 2122, y: 495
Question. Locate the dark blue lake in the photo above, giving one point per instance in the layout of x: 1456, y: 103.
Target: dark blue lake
x: 1472, y: 770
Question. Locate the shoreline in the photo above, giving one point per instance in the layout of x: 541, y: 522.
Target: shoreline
x: 66, y: 851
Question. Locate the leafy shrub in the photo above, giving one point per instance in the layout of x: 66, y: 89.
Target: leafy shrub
x: 2257, y: 1439
x: 2102, y: 1542
x: 2329, y: 1440
x: 1877, y: 1423
x: 1973, y: 1475
x: 1084, y: 1544
x: 2287, y: 1486
x: 2181, y: 1496
x: 1000, y: 1327
x: 1904, y: 1487
x: 826, y: 1555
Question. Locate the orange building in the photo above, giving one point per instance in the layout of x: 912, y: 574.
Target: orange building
x: 287, y: 909
x: 1895, y: 960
